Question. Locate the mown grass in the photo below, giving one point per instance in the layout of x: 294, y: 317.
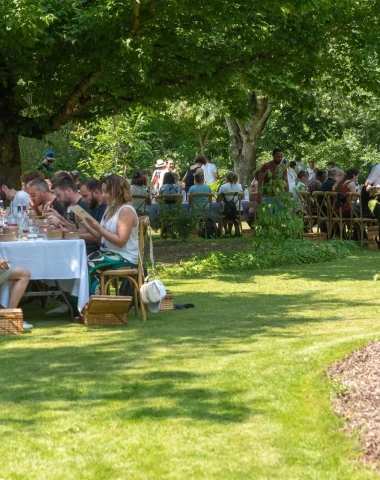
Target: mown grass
x: 234, y: 388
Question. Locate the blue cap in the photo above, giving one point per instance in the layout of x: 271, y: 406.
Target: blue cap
x: 49, y: 154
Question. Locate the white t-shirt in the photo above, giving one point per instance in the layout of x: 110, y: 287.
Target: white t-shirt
x: 374, y: 176
x: 21, y: 198
x: 311, y: 173
x: 292, y: 177
x: 209, y: 170
x: 231, y: 187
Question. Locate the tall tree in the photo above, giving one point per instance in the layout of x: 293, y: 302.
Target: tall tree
x: 61, y: 61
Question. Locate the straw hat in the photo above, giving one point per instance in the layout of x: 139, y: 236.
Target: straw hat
x: 160, y: 163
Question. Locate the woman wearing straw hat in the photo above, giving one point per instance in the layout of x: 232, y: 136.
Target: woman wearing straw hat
x: 158, y: 174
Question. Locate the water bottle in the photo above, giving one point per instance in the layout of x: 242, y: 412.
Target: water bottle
x: 246, y: 193
x: 11, y: 220
x: 24, y: 211
x: 184, y: 196
x: 1, y: 205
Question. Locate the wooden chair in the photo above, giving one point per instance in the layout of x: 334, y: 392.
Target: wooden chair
x: 356, y: 218
x: 322, y: 218
x: 334, y: 214
x: 140, y: 206
x: 170, y: 206
x: 135, y: 276
x: 202, y: 206
x: 309, y: 219
x: 220, y: 200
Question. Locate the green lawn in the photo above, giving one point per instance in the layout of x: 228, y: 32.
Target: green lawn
x: 235, y: 388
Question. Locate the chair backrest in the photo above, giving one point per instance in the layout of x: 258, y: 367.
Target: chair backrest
x: 143, y: 233
x: 353, y: 199
x: 169, y: 199
x: 201, y: 203
x: 140, y: 204
x: 334, y: 211
x: 321, y: 205
x: 304, y: 198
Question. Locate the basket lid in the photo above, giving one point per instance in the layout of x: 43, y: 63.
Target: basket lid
x: 108, y: 304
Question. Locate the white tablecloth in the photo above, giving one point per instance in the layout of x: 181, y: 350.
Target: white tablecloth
x: 63, y: 260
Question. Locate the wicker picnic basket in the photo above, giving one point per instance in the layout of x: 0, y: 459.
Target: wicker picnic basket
x: 167, y: 303
x: 372, y: 245
x: 11, y: 321
x: 104, y: 310
x: 315, y: 237
x: 373, y: 232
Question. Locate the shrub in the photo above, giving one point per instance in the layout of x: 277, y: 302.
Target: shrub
x: 290, y: 252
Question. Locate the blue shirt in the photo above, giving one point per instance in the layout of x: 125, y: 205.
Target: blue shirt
x: 200, y: 202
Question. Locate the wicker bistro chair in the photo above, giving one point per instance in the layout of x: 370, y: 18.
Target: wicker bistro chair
x: 169, y: 205
x: 321, y: 209
x: 141, y: 204
x: 135, y: 276
x: 239, y: 196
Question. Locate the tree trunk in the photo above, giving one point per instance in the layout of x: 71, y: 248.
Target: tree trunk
x: 243, y: 137
x: 10, y: 158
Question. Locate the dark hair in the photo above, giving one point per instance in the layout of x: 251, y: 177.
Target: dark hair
x: 40, y: 184
x: 138, y: 178
x: 199, y: 176
x: 91, y: 184
x: 276, y: 150
x: 200, y: 159
x: 292, y: 164
x: 29, y: 176
x: 65, y: 182
x: 331, y: 163
x: 301, y: 174
x: 5, y: 181
x: 320, y: 173
x: 350, y: 173
x: 168, y: 179
x: 60, y: 174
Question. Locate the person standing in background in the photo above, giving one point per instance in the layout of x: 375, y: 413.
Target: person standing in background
x: 47, y: 163
x: 169, y: 165
x: 311, y: 170
x: 158, y: 174
x: 210, y: 171
x: 292, y: 175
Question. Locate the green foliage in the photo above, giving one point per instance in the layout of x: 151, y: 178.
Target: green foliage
x: 178, y: 221
x: 118, y: 144
x: 33, y: 150
x: 263, y: 256
x: 276, y: 219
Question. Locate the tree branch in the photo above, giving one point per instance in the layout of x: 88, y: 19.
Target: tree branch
x: 136, y: 15
x: 73, y: 104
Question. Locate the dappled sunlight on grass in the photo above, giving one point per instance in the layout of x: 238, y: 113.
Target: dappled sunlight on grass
x: 234, y: 388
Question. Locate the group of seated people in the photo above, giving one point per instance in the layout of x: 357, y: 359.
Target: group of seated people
x: 111, y: 235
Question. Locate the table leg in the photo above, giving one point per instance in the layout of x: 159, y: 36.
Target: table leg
x: 66, y: 300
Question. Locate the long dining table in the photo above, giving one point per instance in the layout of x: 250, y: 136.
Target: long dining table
x: 61, y: 262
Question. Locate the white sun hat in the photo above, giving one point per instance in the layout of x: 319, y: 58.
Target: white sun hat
x: 152, y: 294
x: 160, y: 163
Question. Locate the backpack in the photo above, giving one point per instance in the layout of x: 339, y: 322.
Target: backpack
x: 229, y: 208
x: 207, y: 228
